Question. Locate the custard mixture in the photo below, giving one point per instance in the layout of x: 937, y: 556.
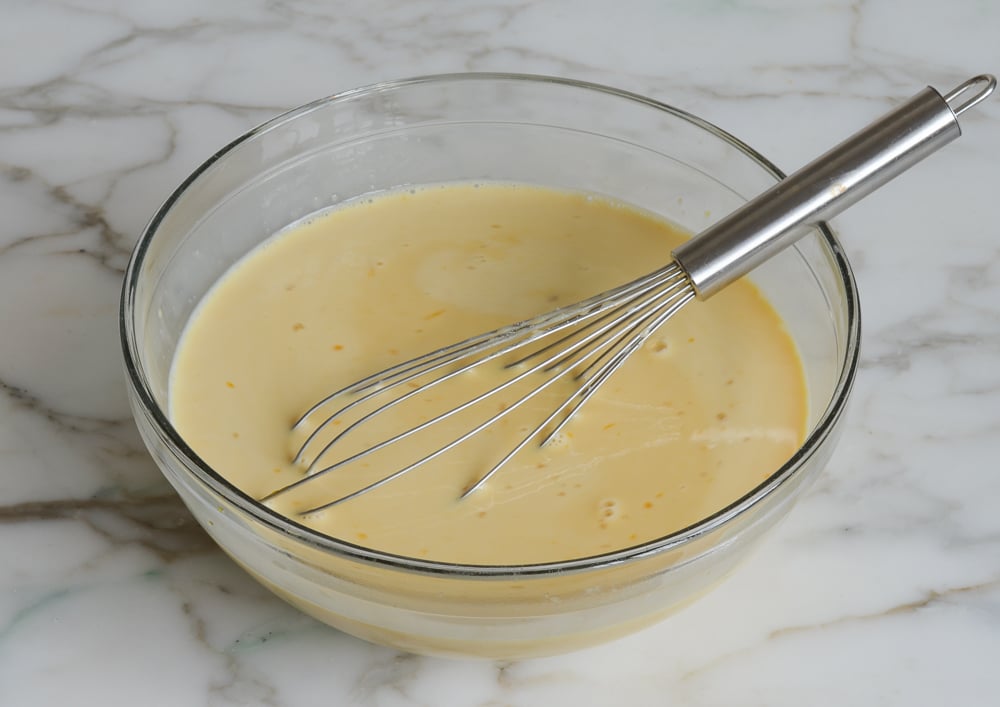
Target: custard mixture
x: 712, y: 404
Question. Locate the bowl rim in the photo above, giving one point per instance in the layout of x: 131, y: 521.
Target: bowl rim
x: 142, y: 396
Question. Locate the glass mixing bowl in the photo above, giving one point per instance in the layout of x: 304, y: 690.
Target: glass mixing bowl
x: 475, y: 127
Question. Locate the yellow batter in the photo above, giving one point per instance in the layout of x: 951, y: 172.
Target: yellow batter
x: 710, y: 406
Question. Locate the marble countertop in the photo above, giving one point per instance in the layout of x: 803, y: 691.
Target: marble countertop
x: 881, y: 588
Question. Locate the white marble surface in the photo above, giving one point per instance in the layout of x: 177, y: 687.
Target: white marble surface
x: 881, y: 588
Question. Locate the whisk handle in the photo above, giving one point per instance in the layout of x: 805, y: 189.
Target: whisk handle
x: 827, y: 186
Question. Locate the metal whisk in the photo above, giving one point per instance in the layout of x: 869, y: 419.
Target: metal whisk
x: 586, y: 342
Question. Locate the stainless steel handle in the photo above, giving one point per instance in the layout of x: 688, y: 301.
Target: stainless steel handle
x: 826, y: 186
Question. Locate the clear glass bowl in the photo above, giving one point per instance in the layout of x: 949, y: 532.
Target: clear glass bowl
x: 470, y: 127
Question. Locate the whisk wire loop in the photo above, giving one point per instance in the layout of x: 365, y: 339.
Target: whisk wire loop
x: 617, y: 321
